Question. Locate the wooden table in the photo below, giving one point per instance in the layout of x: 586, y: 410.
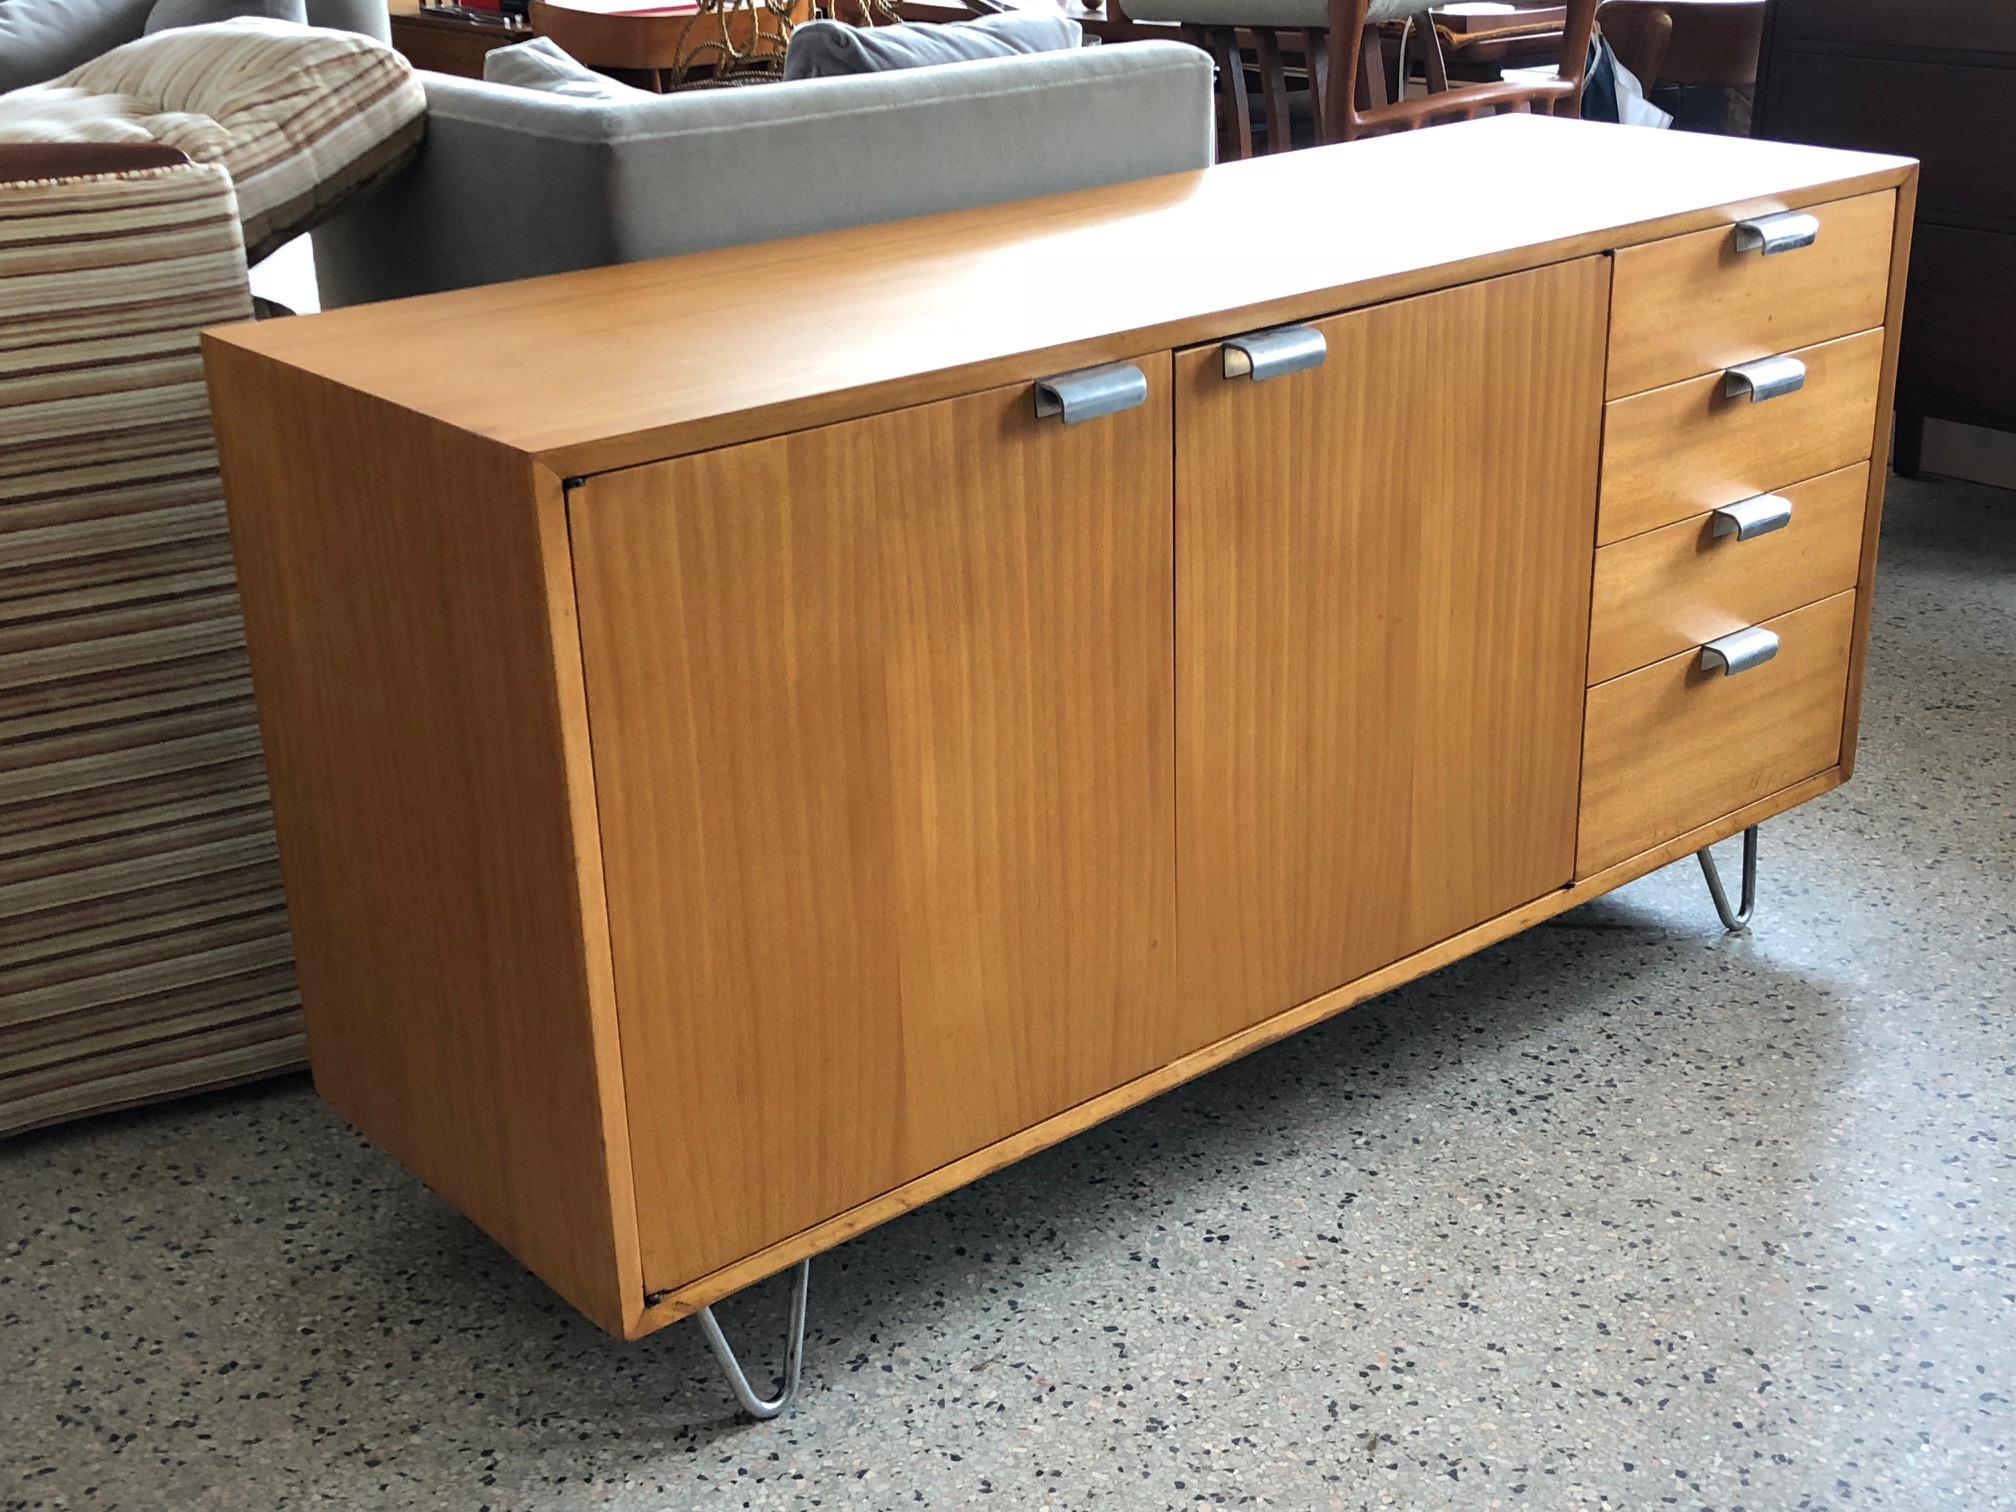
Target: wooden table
x: 735, y: 789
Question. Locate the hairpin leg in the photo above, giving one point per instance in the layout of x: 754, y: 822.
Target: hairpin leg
x: 1739, y: 920
x: 763, y: 1408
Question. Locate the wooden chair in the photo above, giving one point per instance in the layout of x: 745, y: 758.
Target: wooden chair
x: 1316, y: 42
x: 1639, y: 34
x: 1713, y: 43
x: 1699, y: 44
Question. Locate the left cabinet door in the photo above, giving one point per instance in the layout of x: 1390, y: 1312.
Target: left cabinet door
x: 883, y: 728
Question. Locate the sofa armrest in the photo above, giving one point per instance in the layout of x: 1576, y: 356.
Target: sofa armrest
x: 513, y: 183
x: 113, y: 533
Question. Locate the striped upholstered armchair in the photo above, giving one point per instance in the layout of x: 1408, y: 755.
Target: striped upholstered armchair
x: 143, y: 943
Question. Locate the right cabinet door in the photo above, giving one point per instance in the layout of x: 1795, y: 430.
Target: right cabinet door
x: 1382, y: 612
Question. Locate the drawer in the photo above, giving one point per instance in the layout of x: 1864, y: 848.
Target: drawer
x: 1673, y: 588
x: 1696, y: 304
x: 1955, y: 25
x: 1670, y: 747
x: 1688, y: 448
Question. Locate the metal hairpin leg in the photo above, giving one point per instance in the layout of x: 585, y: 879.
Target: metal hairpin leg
x: 763, y: 1408
x: 1739, y: 920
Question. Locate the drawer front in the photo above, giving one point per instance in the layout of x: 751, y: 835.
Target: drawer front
x: 1688, y: 448
x: 1947, y: 25
x: 1671, y: 747
x: 1670, y: 589
x: 1696, y: 304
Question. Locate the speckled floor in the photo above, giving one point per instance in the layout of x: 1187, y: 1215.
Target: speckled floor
x: 1621, y: 1214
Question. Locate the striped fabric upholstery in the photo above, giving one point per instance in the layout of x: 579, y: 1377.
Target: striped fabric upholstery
x: 143, y: 945
x: 304, y: 119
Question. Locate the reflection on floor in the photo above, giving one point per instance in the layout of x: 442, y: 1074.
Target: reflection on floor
x: 1622, y: 1213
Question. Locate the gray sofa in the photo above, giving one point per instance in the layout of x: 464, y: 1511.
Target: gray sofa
x: 512, y: 183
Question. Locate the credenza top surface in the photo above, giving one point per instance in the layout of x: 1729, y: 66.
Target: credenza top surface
x: 614, y: 366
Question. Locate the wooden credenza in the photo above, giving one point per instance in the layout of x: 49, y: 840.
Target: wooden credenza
x: 744, y: 765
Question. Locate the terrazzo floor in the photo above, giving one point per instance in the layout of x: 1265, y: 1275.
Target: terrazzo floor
x: 1620, y: 1214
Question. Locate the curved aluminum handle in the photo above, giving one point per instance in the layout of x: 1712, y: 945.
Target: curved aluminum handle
x: 1275, y: 353
x: 1772, y: 234
x: 1751, y: 518
x: 1088, y: 393
x: 1768, y: 378
x: 1730, y: 654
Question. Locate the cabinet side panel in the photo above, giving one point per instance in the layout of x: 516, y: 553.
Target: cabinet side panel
x: 1879, y: 465
x: 409, y: 615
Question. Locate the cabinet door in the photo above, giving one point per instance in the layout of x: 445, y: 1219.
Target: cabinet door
x: 1382, y: 608
x: 882, y: 718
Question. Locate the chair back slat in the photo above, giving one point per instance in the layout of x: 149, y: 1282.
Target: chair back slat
x: 1289, y: 57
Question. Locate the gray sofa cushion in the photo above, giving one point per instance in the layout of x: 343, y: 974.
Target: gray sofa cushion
x: 40, y: 39
x: 513, y: 183
x: 167, y: 13
x: 830, y: 49
x: 541, y: 64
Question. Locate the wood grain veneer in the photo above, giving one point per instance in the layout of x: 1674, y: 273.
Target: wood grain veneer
x: 1382, y: 611
x: 886, y: 799
x: 1671, y: 746
x: 1682, y: 585
x: 1693, y: 304
x: 673, y: 1306
x: 438, y: 840
x: 1685, y: 449
x: 1879, y: 464
x: 856, y: 322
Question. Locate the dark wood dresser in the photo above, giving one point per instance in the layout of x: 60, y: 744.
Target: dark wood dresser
x: 1935, y: 80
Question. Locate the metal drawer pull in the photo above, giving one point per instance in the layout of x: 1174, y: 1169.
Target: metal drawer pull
x: 1739, y: 652
x: 1275, y: 353
x: 1091, y: 392
x: 1769, y: 378
x: 1772, y: 234
x: 1752, y: 518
